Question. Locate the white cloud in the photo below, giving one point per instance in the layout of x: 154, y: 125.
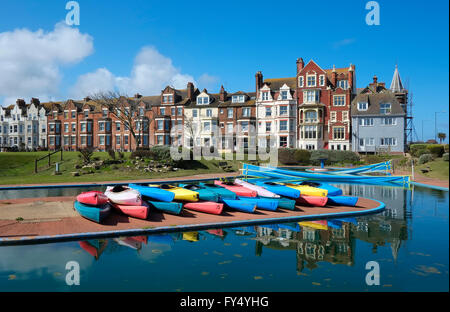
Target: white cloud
x: 344, y: 42
x: 208, y: 81
x: 151, y: 72
x: 30, y: 61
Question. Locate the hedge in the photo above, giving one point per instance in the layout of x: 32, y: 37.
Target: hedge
x: 436, y: 149
x: 334, y: 156
x: 292, y: 156
x: 425, y: 158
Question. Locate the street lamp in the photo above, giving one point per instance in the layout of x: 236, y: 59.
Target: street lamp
x: 435, y: 128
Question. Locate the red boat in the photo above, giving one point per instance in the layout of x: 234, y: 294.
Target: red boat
x: 93, y: 198
x: 236, y: 188
x: 141, y: 239
x: 207, y: 206
x: 94, y: 251
x: 140, y: 212
x: 318, y: 201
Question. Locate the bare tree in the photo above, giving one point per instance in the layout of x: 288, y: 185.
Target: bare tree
x: 125, y: 110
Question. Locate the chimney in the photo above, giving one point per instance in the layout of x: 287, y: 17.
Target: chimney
x: 351, y: 73
x: 334, y: 76
x: 190, y: 91
x: 375, y: 80
x: 35, y: 101
x: 20, y: 102
x: 259, y: 80
x: 137, y: 96
x: 300, y: 65
x: 222, y: 94
x: 87, y: 99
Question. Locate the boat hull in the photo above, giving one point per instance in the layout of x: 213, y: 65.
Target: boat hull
x: 239, y: 205
x: 332, y: 190
x: 280, y: 189
x: 221, y: 191
x: 127, y: 196
x: 318, y: 201
x: 153, y: 192
x: 341, y: 200
x: 96, y: 214
x: 181, y: 194
x: 171, y: 208
x: 261, y: 203
x: 239, y: 190
x: 135, y: 211
x: 259, y: 189
x: 93, y: 198
x: 207, y: 207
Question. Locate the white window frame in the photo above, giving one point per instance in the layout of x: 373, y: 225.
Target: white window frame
x: 322, y: 80
x: 339, y: 96
x: 300, y: 81
x: 360, y: 106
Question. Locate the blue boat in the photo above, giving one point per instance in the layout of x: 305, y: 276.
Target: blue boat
x: 221, y: 191
x: 261, y: 203
x: 280, y: 189
x: 292, y: 226
x: 163, y: 239
x: 153, y: 192
x: 172, y: 208
x: 334, y: 223
x: 332, y: 190
x: 343, y: 200
x: 239, y: 205
x: 283, y: 202
x: 203, y: 192
x: 93, y: 213
x: 348, y: 220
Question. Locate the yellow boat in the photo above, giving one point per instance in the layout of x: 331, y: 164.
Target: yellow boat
x: 181, y: 194
x: 307, y: 190
x: 313, y: 225
x: 190, y: 236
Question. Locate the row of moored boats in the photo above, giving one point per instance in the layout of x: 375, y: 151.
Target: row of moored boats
x: 138, y: 200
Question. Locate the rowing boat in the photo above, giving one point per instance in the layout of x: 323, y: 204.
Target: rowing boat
x: 180, y: 193
x: 153, y: 193
x: 93, y: 213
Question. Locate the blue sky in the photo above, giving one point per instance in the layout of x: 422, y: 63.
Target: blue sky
x: 225, y: 43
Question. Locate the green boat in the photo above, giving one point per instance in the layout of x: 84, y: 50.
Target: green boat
x: 221, y: 191
x: 203, y: 193
x: 172, y: 208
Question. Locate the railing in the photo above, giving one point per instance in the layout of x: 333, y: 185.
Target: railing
x: 49, y: 161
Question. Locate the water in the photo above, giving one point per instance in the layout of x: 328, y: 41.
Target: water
x: 409, y: 241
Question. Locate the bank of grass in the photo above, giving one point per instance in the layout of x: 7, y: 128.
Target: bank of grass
x: 18, y: 168
x: 439, y: 169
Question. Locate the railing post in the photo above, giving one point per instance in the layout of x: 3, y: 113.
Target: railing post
x: 35, y: 165
x: 49, y: 160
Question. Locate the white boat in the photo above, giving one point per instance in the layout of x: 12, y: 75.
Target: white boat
x: 123, y: 195
x: 259, y: 189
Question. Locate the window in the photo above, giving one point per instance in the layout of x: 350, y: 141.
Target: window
x: 66, y: 127
x: 284, y: 95
x: 101, y: 140
x: 268, y: 111
x: 265, y: 96
x: 310, y: 132
x: 179, y: 111
x: 244, y: 126
x: 283, y: 141
x: 162, y: 111
x: 208, y: 113
x: 230, y: 128
x: 86, y: 114
x: 118, y: 126
x: 246, y: 112
x: 283, y: 125
x: 83, y: 140
x: 74, y: 114
x: 194, y: 113
x: 230, y: 113
x: 300, y: 81
x: 238, y: 99
x: 83, y: 127
x: 167, y: 98
x: 388, y: 121
x: 141, y: 111
x: 66, y: 114
x: 385, y: 108
x: 344, y: 116
x: 311, y: 96
x: 366, y: 141
x: 283, y: 110
x: 206, y: 126
x: 172, y: 111
x: 125, y: 139
x: 101, y: 126
x: 160, y: 125
x: 66, y: 140
x: 339, y: 100
x: 322, y: 80
x: 201, y: 100
x: 105, y: 113
x: 342, y: 84
x: 268, y: 126
x: 366, y: 122
x: 362, y: 106
x: 388, y: 141
x: 311, y: 81
x: 333, y: 116
x: 338, y: 133
x: 310, y: 116
x: 74, y: 127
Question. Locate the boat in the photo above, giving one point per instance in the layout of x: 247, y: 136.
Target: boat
x: 171, y: 208
x: 291, y: 226
x: 280, y: 189
x: 307, y: 190
x: 317, y: 225
x: 190, y: 236
x: 261, y: 203
x: 123, y: 195
x: 272, y: 172
x: 221, y: 191
x: 93, y: 198
x: 206, y: 206
x: 94, y: 247
x: 217, y: 232
x: 236, y: 188
x: 259, y: 189
x: 141, y: 239
x: 203, y: 193
x: 332, y: 190
x: 348, y: 220
x: 180, y: 193
x: 383, y: 167
x: 318, y: 201
x: 162, y: 239
x: 93, y: 213
x: 239, y: 205
x: 153, y: 193
x: 335, y: 224
x: 343, y: 200
x: 286, y: 203
x: 135, y: 211
x: 128, y: 242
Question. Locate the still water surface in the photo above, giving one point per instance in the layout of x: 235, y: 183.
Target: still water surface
x: 409, y: 240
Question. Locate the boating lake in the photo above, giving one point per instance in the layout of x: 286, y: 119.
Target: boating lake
x: 408, y: 240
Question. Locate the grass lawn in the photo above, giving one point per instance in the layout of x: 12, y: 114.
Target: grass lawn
x: 439, y: 169
x: 18, y: 168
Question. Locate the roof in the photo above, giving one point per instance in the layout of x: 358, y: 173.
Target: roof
x: 277, y: 83
x: 374, y: 100
x: 396, y: 84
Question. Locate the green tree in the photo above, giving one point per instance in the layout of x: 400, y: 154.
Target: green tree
x: 441, y: 136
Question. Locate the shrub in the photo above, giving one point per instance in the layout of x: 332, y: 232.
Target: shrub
x: 334, y: 156
x: 446, y: 148
x: 286, y: 156
x: 436, y: 149
x: 112, y: 154
x: 414, y: 148
x: 421, y: 151
x: 302, y: 156
x: 85, y: 154
x: 445, y: 157
x: 425, y: 158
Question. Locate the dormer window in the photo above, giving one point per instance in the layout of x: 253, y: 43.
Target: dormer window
x: 311, y: 82
x: 284, y: 95
x: 265, y: 96
x: 167, y: 98
x: 385, y: 108
x: 343, y: 84
x: 238, y: 99
x: 202, y: 100
x: 362, y: 106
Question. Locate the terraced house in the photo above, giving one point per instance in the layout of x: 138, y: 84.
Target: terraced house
x: 23, y: 125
